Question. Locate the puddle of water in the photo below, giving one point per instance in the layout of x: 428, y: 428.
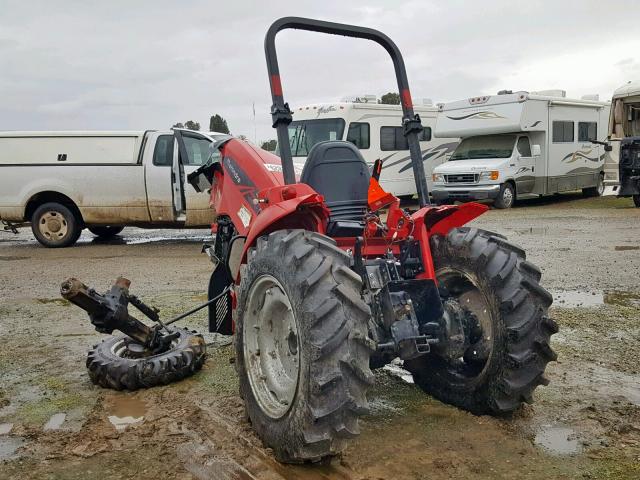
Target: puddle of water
x: 5, y: 428
x: 577, y: 298
x: 623, y: 248
x: 55, y: 422
x: 9, y: 446
x: 558, y: 440
x: 582, y: 298
x: 124, y: 411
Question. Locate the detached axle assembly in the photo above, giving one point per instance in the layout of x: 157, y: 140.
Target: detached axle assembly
x: 146, y: 355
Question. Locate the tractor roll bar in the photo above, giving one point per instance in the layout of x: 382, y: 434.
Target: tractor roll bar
x: 281, y: 113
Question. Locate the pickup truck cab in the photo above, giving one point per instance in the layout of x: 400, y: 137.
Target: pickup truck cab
x: 62, y: 182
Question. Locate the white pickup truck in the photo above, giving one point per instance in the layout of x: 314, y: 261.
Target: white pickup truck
x: 62, y: 182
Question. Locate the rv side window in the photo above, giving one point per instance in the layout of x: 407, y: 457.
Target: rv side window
x: 562, y: 132
x: 587, y: 131
x: 163, y: 153
x: 392, y: 138
x: 359, y: 135
x: 524, y: 147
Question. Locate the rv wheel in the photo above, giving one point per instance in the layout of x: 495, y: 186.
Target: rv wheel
x: 507, y: 196
x: 596, y: 191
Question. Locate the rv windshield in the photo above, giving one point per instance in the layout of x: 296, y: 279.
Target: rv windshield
x: 304, y: 134
x: 486, y: 146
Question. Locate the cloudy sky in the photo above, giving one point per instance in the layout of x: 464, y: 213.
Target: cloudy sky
x: 147, y: 64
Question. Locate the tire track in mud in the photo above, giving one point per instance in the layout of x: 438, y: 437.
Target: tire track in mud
x: 224, y: 450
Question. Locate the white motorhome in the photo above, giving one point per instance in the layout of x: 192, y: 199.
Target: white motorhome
x: 521, y: 145
x: 62, y: 182
x: 377, y: 132
x: 622, y: 169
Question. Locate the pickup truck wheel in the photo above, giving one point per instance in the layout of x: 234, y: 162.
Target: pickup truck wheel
x: 507, y: 196
x: 105, y: 232
x: 55, y: 226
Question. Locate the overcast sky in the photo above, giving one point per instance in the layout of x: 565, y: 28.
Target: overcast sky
x: 121, y: 65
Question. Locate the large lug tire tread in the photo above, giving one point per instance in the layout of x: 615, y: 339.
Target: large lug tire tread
x: 73, y: 222
x: 334, y: 345
x: 111, y: 371
x: 106, y: 231
x: 522, y: 329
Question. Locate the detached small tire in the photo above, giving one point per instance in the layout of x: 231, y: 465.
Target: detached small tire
x: 110, y: 367
x: 55, y: 225
x: 106, y: 231
x: 506, y: 197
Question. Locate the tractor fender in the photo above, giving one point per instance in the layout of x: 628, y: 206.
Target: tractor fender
x: 441, y: 220
x: 307, y: 212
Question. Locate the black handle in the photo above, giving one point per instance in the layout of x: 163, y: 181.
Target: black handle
x: 281, y: 114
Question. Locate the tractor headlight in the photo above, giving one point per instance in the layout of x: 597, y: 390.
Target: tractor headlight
x: 492, y: 175
x: 438, y: 177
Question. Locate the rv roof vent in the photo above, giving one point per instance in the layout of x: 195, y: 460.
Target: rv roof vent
x: 592, y: 96
x: 551, y: 93
x: 360, y: 99
x: 505, y: 92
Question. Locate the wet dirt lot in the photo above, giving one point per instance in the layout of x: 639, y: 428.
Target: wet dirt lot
x: 585, y: 424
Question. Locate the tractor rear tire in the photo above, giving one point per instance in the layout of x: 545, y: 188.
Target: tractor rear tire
x: 515, y: 307
x: 106, y: 231
x: 302, y: 345
x: 110, y: 367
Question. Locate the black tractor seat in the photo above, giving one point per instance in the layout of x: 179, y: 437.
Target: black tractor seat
x: 336, y: 170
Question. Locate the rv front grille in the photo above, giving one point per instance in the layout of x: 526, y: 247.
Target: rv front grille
x: 462, y: 178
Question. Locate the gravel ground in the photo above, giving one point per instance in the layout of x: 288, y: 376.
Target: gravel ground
x: 585, y: 424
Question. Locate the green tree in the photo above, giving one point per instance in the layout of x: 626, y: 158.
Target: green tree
x: 218, y: 124
x: 191, y: 125
x: 269, y: 145
x: 390, y: 98
x: 178, y: 125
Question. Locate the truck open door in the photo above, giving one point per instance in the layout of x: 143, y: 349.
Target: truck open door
x: 178, y: 178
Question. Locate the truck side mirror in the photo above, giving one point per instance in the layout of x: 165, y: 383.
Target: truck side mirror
x: 535, y: 150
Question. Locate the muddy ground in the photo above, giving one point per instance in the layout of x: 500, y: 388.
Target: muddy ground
x: 586, y: 424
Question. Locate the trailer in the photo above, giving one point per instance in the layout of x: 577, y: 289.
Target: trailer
x: 622, y: 168
x: 521, y: 145
x: 374, y: 129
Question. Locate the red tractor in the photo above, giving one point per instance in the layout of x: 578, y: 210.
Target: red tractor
x: 320, y: 288
x: 324, y: 277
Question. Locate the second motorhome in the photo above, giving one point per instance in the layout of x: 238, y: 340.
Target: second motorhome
x: 521, y: 145
x: 374, y: 129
